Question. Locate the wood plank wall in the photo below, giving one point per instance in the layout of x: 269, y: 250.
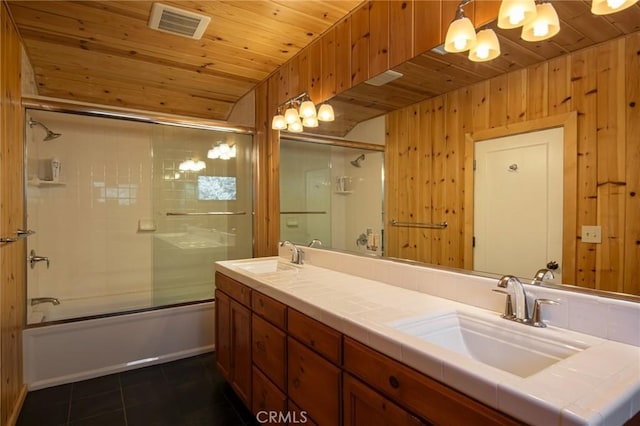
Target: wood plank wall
x: 12, y: 255
x: 424, y: 161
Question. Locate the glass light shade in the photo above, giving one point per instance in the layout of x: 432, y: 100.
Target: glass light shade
x: 199, y: 165
x: 295, y: 127
x: 605, y: 7
x: 486, y: 48
x: 233, y: 152
x: 310, y: 122
x: 214, y: 153
x: 461, y: 36
x: 325, y: 113
x: 516, y: 13
x: 307, y: 109
x: 545, y: 25
x: 278, y: 122
x: 291, y: 115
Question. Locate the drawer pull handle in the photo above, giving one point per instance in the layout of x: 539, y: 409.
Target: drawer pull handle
x: 261, y: 303
x: 393, y: 381
x: 260, y: 346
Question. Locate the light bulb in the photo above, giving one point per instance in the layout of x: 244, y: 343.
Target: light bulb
x: 516, y: 13
x: 325, y: 113
x: 486, y: 48
x: 461, y: 36
x: 278, y: 122
x: 310, y: 122
x: 291, y: 115
x: 516, y: 16
x: 295, y: 127
x: 605, y: 7
x: 545, y: 25
x: 540, y: 29
x: 307, y: 109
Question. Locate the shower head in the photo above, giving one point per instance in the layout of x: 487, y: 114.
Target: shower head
x: 356, y: 162
x: 50, y: 135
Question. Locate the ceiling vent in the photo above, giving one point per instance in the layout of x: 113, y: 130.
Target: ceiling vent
x: 172, y: 20
x: 384, y: 78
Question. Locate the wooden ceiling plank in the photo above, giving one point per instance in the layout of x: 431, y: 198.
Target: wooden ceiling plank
x: 231, y: 68
x: 130, y: 35
x: 100, y: 60
x: 137, y: 98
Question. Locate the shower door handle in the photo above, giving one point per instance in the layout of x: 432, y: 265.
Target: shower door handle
x: 33, y: 259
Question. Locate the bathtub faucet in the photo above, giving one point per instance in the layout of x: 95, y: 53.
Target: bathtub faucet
x: 39, y: 300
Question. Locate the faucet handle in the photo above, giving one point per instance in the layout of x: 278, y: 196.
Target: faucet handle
x: 536, y: 321
x: 508, y: 307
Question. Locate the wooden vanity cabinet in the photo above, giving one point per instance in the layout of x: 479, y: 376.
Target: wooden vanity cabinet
x: 233, y: 335
x: 415, y: 391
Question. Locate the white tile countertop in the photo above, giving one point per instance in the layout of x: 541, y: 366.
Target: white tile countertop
x: 598, y: 385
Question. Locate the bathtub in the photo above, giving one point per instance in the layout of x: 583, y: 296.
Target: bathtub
x: 67, y: 352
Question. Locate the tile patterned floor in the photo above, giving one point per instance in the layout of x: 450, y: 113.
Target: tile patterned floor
x: 187, y: 392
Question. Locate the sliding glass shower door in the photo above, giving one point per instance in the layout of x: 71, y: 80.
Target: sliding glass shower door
x: 134, y: 217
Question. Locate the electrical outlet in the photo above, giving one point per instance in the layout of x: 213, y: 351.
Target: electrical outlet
x: 592, y: 234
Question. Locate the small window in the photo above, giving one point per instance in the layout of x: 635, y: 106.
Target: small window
x: 216, y: 188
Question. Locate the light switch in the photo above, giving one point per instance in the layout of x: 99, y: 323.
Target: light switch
x: 592, y: 234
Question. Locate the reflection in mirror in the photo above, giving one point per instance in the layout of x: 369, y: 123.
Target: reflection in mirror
x: 331, y: 193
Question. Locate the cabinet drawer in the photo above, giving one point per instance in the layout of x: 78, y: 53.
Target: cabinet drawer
x: 270, y: 309
x: 364, y: 406
x: 266, y: 396
x: 269, y: 350
x: 313, y: 384
x: 233, y: 288
x: 321, y: 338
x: 415, y: 391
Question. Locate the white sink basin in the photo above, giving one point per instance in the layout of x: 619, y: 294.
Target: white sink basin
x: 266, y: 266
x: 507, y: 346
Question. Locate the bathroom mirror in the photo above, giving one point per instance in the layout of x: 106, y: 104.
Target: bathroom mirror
x: 331, y: 194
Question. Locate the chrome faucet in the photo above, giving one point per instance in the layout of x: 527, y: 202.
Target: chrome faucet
x: 541, y: 275
x: 521, y: 312
x: 39, y: 300
x: 297, y: 255
x: 315, y: 243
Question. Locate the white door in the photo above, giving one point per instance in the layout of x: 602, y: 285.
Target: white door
x: 518, y: 203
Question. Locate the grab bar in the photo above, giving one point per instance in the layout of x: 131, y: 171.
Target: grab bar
x: 303, y: 212
x: 20, y: 234
x: 440, y: 225
x: 205, y: 213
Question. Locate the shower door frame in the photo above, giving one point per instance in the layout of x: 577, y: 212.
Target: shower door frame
x: 102, y: 111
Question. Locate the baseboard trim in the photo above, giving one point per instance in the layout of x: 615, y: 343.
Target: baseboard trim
x: 15, y: 413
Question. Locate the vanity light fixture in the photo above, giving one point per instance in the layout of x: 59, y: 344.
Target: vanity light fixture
x: 487, y: 47
x: 461, y: 35
x: 516, y: 13
x: 192, y: 166
x: 605, y: 7
x: 544, y: 26
x: 300, y: 113
x: 222, y: 151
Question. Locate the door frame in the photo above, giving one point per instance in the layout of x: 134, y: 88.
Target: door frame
x: 569, y: 123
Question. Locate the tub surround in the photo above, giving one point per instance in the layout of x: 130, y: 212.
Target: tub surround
x: 363, y: 297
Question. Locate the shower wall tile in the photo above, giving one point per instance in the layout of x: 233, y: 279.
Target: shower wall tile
x: 88, y: 227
